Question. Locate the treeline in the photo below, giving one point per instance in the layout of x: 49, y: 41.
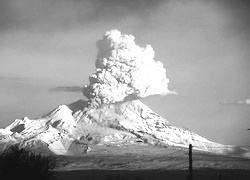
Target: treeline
x: 20, y: 163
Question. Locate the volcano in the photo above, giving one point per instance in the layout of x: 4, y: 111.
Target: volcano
x: 113, y: 115
x: 76, y: 129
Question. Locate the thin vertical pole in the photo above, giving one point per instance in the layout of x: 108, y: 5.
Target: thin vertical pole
x: 190, y: 162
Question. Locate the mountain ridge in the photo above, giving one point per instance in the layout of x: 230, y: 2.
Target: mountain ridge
x: 71, y: 129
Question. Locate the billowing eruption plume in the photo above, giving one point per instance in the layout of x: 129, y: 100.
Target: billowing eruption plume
x: 124, y: 70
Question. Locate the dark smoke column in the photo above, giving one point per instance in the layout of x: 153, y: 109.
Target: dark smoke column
x: 124, y: 70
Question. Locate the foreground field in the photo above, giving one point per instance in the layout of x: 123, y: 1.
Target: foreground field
x: 149, y: 162
x: 201, y: 174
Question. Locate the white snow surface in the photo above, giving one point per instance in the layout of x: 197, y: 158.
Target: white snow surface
x: 52, y: 130
x: 130, y: 119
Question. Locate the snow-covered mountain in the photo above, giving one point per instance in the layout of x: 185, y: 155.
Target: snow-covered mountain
x: 70, y: 129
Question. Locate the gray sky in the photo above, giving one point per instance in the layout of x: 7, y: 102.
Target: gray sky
x: 203, y: 44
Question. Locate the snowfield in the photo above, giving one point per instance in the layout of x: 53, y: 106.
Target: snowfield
x: 72, y: 129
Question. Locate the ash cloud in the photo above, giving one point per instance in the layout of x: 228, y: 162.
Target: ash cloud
x: 125, y: 70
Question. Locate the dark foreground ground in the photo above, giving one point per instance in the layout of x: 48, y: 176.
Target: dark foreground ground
x: 201, y: 174
x: 147, y: 162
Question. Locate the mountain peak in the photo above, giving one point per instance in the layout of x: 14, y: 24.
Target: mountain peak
x: 76, y: 125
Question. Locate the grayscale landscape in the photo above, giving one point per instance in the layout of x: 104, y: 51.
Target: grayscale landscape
x: 136, y: 89
x: 138, y: 162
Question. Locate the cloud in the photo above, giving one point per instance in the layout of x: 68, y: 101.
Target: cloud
x: 247, y: 102
x: 69, y: 14
x: 240, y: 102
x: 67, y: 89
x: 124, y: 69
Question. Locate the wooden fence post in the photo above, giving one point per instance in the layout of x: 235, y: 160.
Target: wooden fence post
x: 190, y: 162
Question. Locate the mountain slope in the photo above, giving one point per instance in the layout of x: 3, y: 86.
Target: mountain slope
x: 70, y: 129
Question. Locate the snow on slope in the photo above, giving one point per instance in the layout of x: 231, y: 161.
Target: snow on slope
x: 75, y: 125
x: 55, y: 131
x: 137, y: 118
